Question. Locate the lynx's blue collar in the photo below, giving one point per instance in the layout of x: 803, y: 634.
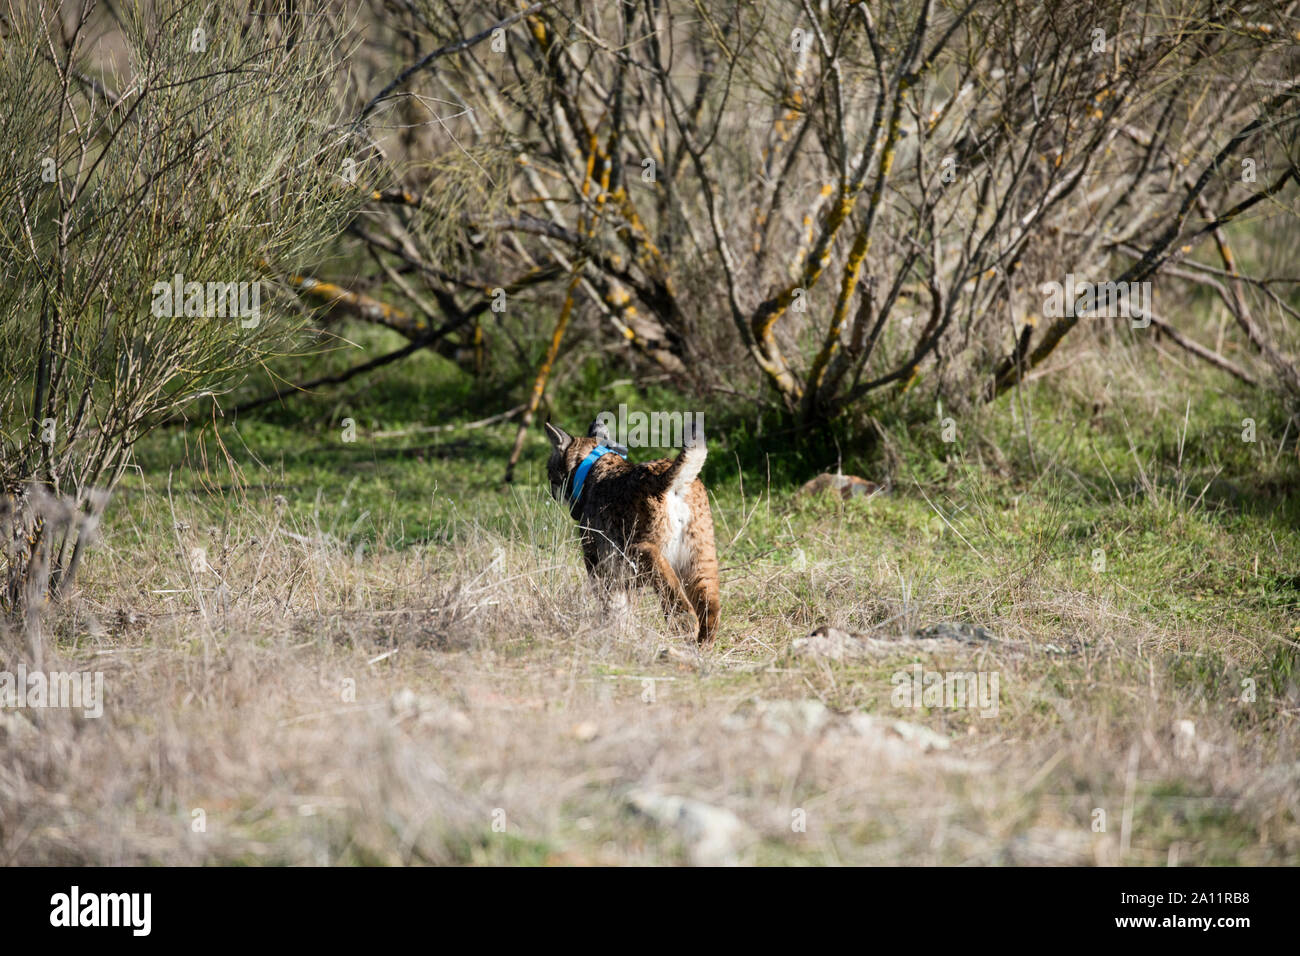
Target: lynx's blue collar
x: 580, y: 475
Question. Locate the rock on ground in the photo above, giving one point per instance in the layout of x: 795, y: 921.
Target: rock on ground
x: 713, y: 836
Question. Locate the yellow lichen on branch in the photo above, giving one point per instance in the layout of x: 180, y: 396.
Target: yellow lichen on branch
x: 543, y: 373
x: 356, y: 303
x: 857, y: 254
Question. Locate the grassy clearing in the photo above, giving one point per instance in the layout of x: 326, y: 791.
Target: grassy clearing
x: 370, y: 652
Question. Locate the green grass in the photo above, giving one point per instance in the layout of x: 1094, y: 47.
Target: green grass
x: 405, y: 561
x: 1162, y: 512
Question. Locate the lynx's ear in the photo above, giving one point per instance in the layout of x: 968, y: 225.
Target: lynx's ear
x: 560, y: 439
x: 599, y: 430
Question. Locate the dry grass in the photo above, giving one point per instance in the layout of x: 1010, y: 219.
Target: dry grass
x: 500, y: 715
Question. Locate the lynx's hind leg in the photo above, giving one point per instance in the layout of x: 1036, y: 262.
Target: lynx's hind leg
x: 702, y: 590
x: 653, y: 565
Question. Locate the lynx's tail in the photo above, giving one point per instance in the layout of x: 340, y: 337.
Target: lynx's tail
x: 688, y: 464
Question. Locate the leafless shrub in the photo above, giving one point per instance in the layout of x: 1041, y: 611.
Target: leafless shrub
x: 202, y: 146
x: 856, y: 194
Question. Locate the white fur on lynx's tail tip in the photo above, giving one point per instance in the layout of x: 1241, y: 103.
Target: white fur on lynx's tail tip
x: 689, y: 462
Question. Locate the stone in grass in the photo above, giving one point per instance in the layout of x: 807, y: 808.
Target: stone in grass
x: 961, y: 632
x: 921, y: 738
x: 785, y: 718
x: 846, y: 486
x: 713, y: 836
x: 1042, y: 846
x: 831, y: 642
x: 15, y: 728
x: 407, y: 705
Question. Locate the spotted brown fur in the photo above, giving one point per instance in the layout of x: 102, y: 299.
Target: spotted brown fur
x: 644, y: 523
